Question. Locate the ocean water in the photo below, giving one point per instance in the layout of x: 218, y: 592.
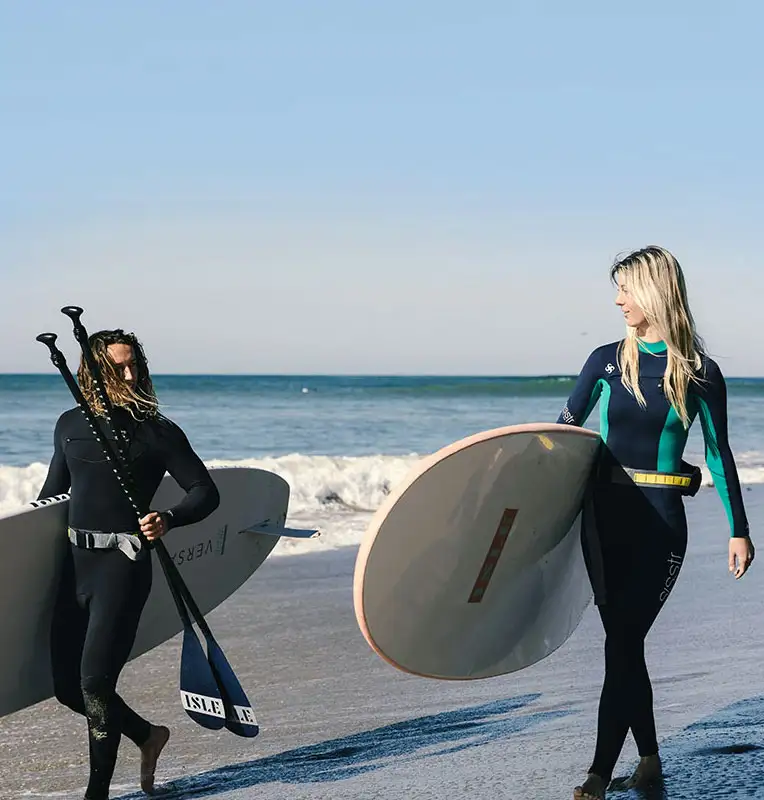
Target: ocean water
x: 342, y: 443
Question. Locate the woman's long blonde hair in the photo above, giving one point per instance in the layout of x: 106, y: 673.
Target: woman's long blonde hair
x: 141, y: 401
x: 656, y: 282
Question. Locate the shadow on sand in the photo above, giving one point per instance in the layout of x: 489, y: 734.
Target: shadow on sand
x: 721, y: 755
x: 359, y: 753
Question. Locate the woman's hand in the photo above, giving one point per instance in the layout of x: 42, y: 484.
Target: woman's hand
x: 153, y: 525
x: 742, y: 552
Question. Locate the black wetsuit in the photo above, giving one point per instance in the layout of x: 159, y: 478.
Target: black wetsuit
x: 642, y: 531
x: 102, y: 592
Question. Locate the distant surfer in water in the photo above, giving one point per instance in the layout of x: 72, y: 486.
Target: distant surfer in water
x: 107, y: 573
x: 651, y: 386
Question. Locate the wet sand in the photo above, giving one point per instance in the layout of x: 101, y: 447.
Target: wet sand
x: 337, y: 722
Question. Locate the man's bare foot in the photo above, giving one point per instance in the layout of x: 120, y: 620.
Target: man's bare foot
x: 648, y: 771
x: 150, y: 752
x: 593, y: 789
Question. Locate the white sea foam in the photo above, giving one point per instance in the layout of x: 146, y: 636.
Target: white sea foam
x: 337, y: 494
x: 20, y: 485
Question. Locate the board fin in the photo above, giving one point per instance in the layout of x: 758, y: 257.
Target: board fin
x: 275, y: 530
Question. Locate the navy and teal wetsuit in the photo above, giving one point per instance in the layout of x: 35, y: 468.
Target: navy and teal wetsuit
x: 642, y: 531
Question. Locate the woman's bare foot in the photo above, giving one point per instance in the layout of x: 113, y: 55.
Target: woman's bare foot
x: 150, y: 752
x: 593, y: 789
x: 648, y: 771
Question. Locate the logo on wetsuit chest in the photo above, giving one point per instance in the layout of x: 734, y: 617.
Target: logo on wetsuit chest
x: 675, y: 563
x: 610, y: 369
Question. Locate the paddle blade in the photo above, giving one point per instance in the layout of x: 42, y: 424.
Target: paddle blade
x: 240, y: 716
x: 199, y: 691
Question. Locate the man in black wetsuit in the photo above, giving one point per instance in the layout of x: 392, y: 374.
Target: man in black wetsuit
x: 107, y: 574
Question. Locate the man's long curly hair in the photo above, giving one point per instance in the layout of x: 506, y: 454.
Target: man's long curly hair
x: 141, y: 401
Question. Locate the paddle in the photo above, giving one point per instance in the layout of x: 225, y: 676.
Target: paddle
x: 201, y: 696
x: 199, y: 691
x: 239, y: 714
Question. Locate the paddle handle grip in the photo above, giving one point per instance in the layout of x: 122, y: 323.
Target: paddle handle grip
x: 74, y: 313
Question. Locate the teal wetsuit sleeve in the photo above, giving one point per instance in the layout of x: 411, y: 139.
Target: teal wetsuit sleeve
x: 585, y: 393
x: 712, y: 410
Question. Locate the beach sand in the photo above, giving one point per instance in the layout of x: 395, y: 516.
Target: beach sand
x: 338, y: 722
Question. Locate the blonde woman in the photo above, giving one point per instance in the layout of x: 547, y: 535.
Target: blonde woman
x: 107, y: 574
x: 651, y: 386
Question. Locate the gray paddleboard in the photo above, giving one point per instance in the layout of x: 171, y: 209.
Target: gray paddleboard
x: 214, y: 557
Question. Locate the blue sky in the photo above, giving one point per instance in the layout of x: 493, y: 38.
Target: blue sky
x: 407, y: 187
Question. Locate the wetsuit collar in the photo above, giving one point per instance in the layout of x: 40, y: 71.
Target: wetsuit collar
x: 652, y: 347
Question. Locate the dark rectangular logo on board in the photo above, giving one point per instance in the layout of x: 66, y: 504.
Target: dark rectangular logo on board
x: 492, y: 558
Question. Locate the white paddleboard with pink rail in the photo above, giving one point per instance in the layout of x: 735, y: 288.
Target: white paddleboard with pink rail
x: 473, y: 567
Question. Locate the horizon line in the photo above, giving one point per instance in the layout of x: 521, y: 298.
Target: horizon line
x: 353, y: 375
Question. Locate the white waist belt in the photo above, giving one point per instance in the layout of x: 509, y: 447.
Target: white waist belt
x: 129, y: 543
